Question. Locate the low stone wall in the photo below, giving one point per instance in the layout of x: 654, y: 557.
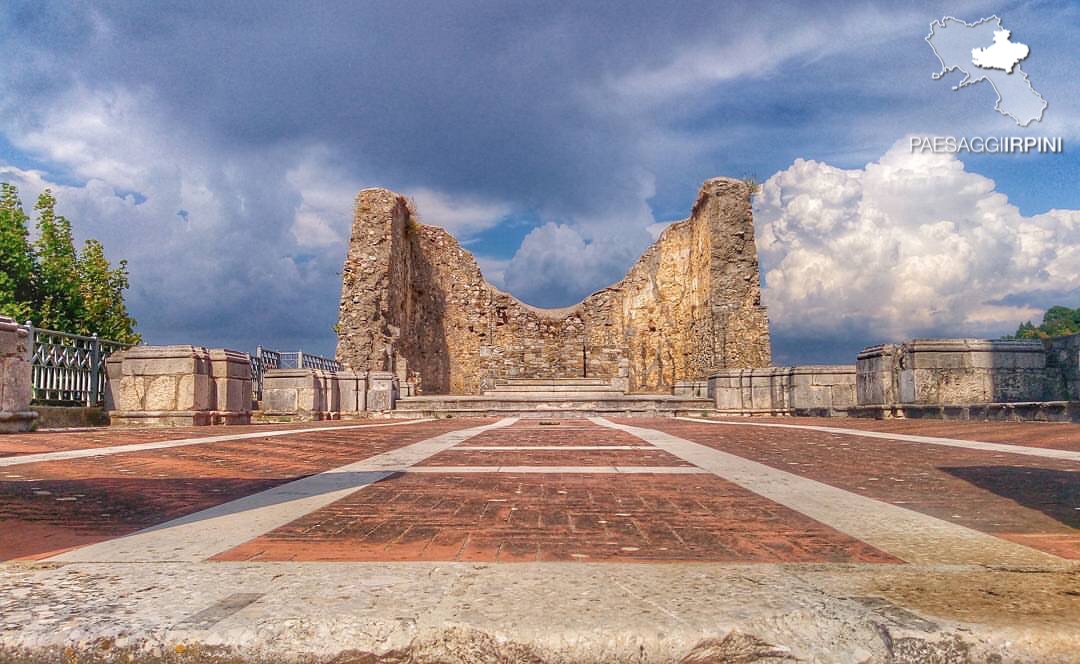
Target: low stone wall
x: 801, y: 390
x: 314, y: 394
x: 1024, y: 411
x: 691, y: 388
x: 70, y: 417
x: 1063, y: 354
x: 178, y: 386
x: 15, y: 382
x: 954, y: 372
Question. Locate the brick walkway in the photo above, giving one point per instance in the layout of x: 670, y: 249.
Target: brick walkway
x: 531, y: 540
x: 581, y: 499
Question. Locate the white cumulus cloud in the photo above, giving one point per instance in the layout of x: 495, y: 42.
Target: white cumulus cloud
x: 910, y: 245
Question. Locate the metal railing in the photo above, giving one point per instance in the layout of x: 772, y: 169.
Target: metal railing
x: 265, y: 359
x: 68, y: 368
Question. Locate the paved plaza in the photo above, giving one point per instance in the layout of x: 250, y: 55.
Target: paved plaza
x: 589, y: 539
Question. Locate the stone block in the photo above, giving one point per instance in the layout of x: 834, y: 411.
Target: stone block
x: 161, y: 391
x: 349, y: 395
x: 113, y: 376
x: 16, y: 388
x: 181, y: 384
x: 957, y: 372
x: 283, y: 401
x: 306, y: 394
x: 382, y: 391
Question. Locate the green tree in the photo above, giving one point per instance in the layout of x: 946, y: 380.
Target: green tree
x: 49, y: 284
x: 60, y: 303
x: 102, y: 289
x: 17, y: 263
x: 1057, y: 322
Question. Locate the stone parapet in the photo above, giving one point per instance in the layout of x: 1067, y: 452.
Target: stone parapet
x: 1063, y: 354
x: 800, y: 390
x: 16, y: 388
x: 179, y: 385
x: 303, y: 394
x: 954, y: 372
x: 1029, y: 411
x: 315, y: 394
x: 230, y: 371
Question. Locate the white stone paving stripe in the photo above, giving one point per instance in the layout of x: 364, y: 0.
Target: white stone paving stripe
x: 903, y: 533
x: 506, y: 448
x: 1046, y: 452
x: 180, y: 442
x: 657, y: 470
x: 199, y: 536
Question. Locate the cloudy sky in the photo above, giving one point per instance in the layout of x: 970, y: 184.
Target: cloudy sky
x: 218, y: 146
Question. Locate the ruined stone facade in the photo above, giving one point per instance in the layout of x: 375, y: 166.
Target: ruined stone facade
x: 414, y: 302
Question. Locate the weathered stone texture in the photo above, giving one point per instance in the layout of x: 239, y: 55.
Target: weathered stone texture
x: 801, y: 390
x: 16, y: 389
x: 178, y: 385
x: 415, y: 303
x: 1063, y: 353
x: 956, y: 372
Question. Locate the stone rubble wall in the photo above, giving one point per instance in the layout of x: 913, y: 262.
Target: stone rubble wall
x: 16, y: 389
x: 415, y: 303
x: 826, y: 390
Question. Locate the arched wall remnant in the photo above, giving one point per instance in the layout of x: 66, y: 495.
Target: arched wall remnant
x: 414, y: 301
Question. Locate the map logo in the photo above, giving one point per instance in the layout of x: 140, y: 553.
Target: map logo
x: 984, y: 51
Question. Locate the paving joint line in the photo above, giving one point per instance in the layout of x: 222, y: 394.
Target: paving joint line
x: 1047, y: 452
x: 182, y: 442
x: 657, y: 470
x: 203, y: 534
x: 906, y: 534
x: 568, y: 448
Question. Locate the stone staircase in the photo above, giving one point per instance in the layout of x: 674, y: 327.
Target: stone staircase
x: 552, y: 397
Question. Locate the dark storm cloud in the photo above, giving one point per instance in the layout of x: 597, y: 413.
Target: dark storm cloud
x: 244, y: 128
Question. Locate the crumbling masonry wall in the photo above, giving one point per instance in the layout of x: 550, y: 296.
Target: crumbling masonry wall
x: 414, y: 302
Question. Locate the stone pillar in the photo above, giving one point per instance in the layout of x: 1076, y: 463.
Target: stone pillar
x: 331, y: 395
x: 231, y: 372
x: 876, y: 376
x: 621, y: 380
x: 163, y: 386
x: 352, y: 386
x: 16, y: 388
x: 382, y: 391
x: 113, y: 376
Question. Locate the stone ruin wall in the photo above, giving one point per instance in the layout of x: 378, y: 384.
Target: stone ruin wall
x: 413, y: 301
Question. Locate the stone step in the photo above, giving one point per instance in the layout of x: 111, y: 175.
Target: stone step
x: 552, y: 382
x: 550, y: 414
x: 537, y: 393
x: 565, y: 406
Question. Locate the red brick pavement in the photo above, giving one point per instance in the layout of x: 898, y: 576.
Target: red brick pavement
x: 550, y: 517
x: 646, y: 456
x: 49, y: 506
x: 1057, y: 435
x: 1026, y: 499
x: 529, y: 432
x: 59, y: 441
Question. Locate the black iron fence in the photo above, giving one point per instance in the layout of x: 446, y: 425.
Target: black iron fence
x: 68, y: 368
